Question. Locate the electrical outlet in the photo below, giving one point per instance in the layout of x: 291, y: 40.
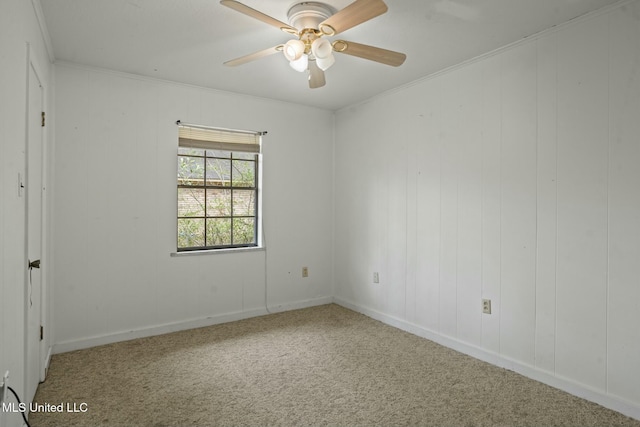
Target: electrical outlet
x: 305, y: 271
x: 486, y: 306
x: 376, y: 277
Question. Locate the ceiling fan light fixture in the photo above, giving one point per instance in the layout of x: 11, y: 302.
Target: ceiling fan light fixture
x: 301, y: 64
x: 325, y: 63
x: 294, y: 50
x: 321, y: 48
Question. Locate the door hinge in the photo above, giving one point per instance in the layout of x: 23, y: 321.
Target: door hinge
x: 41, y: 332
x: 43, y: 119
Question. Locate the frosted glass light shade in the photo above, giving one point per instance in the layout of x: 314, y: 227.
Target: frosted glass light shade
x: 293, y: 49
x: 325, y: 63
x: 300, y: 64
x: 321, y: 48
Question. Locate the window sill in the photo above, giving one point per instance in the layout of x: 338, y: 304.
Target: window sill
x: 217, y: 251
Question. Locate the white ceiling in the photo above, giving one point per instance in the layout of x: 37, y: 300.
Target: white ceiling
x: 188, y: 40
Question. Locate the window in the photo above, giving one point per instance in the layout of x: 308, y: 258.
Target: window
x: 217, y: 188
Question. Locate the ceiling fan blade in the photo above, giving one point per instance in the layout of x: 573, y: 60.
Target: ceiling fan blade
x: 254, y: 56
x: 356, y: 13
x: 239, y: 7
x: 316, y: 76
x: 372, y: 53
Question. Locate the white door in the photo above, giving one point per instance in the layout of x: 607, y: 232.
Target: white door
x: 34, y: 234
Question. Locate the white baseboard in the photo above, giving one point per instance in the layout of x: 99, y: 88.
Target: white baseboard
x: 79, y: 344
x: 594, y: 395
x: 277, y: 308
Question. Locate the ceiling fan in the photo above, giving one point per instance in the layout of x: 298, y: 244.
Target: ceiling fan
x: 309, y: 23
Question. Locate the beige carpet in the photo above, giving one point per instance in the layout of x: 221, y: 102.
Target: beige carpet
x: 322, y: 366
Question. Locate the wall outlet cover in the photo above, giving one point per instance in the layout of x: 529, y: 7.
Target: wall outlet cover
x: 486, y: 306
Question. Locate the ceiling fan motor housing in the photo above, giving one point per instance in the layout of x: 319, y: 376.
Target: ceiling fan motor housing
x: 308, y: 14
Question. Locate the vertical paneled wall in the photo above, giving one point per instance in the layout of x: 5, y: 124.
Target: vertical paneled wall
x: 623, y: 198
x: 115, y: 208
x: 516, y: 178
x: 582, y: 190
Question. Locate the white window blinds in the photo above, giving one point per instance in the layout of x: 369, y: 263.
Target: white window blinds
x: 218, y: 139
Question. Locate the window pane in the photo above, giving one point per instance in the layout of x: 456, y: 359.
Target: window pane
x: 244, y: 173
x: 219, y: 153
x: 190, y: 233
x: 190, y: 202
x: 190, y: 170
x: 243, y: 231
x: 191, y: 151
x: 218, y: 231
x: 244, y: 203
x: 218, y: 202
x: 246, y: 156
x: 218, y: 172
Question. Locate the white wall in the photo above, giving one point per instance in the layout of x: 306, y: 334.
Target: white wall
x: 513, y: 177
x: 18, y: 26
x: 114, y: 220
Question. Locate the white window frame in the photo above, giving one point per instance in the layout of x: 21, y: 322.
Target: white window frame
x: 234, y: 141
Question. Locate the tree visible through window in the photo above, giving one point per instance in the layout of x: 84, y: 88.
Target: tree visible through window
x: 217, y: 196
